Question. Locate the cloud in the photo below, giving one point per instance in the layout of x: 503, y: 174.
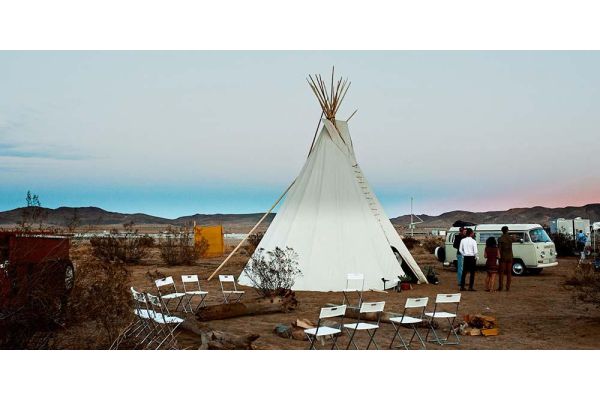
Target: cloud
x: 28, y: 151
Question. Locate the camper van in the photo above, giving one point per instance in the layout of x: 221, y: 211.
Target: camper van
x: 533, y: 250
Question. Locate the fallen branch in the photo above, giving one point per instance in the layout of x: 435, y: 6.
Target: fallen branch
x: 268, y: 305
x: 217, y: 340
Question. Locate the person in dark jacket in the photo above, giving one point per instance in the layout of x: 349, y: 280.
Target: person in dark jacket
x: 459, y: 257
x: 505, y: 244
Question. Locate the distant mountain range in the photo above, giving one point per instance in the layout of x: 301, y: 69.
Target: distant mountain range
x: 533, y: 215
x: 94, y: 216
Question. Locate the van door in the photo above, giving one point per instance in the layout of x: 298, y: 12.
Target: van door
x: 523, y: 249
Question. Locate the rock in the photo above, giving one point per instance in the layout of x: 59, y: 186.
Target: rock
x: 284, y: 331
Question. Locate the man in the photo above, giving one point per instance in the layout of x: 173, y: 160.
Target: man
x: 459, y: 257
x: 505, y: 244
x: 581, y: 241
x: 468, y: 249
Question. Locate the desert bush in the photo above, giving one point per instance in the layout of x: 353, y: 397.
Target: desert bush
x: 128, y: 247
x: 33, y: 213
x: 178, y: 247
x: 565, y: 245
x: 252, y: 243
x: 585, y: 281
x: 410, y: 242
x: 273, y: 272
x: 100, y: 299
x: 430, y: 243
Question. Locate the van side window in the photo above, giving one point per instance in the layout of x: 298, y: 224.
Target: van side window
x: 484, y: 236
x: 517, y: 236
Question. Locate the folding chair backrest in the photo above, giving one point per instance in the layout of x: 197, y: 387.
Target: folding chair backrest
x: 227, y: 278
x: 154, y: 301
x: 189, y: 278
x: 329, y: 312
x: 137, y: 296
x: 416, y: 302
x: 355, y: 281
x: 372, y: 307
x: 448, y: 298
x: 164, y: 282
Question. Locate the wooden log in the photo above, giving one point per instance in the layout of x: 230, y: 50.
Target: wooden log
x: 270, y: 305
x: 217, y: 340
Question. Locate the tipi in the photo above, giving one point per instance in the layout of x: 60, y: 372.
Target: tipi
x: 331, y: 217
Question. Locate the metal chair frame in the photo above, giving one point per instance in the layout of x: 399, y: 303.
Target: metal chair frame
x: 376, y: 307
x: 166, y: 323
x: 410, y: 320
x: 227, y: 294
x: 440, y: 301
x: 192, y: 293
x: 352, y: 278
x: 334, y: 333
x: 166, y: 298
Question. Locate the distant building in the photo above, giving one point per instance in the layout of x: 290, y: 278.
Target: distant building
x: 570, y: 226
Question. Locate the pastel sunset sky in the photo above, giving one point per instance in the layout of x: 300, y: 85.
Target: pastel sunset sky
x: 177, y: 133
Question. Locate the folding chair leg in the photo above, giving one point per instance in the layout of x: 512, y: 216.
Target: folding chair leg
x: 395, y: 334
x: 418, y: 335
x: 351, y: 341
x: 312, y: 341
x: 202, y: 303
x: 188, y: 303
x: 372, y: 338
x: 334, y: 338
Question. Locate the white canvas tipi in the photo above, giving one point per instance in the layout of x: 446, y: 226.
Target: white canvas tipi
x: 333, y: 220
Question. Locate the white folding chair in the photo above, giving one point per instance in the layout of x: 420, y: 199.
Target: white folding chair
x: 166, y: 323
x: 355, y: 283
x: 444, y: 301
x: 141, y: 325
x: 327, y: 312
x: 411, y: 306
x: 227, y: 294
x: 371, y: 328
x: 191, y: 279
x: 167, y: 297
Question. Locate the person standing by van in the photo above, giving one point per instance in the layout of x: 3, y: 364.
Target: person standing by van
x: 459, y: 257
x: 506, y: 258
x: 581, y: 241
x: 491, y: 255
x: 468, y: 248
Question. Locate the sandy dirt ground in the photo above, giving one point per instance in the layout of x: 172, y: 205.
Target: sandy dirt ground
x: 537, y: 313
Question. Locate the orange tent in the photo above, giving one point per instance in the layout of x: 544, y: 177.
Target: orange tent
x: 214, y: 237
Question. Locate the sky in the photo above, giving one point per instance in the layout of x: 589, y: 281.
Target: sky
x: 177, y: 133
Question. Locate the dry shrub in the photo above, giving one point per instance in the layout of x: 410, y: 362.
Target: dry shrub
x: 273, y: 272
x: 128, y: 248
x: 178, y: 247
x: 153, y: 276
x: 430, y: 243
x: 252, y: 242
x: 564, y: 244
x: 586, y: 284
x: 101, y: 301
x: 410, y: 242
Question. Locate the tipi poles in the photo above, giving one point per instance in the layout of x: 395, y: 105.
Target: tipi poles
x: 251, y: 231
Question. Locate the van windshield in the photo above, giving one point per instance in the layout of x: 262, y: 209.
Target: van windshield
x: 539, y: 235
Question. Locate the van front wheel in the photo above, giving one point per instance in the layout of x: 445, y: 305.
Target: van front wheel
x: 518, y: 268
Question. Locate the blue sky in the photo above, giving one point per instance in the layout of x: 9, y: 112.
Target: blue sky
x: 175, y: 133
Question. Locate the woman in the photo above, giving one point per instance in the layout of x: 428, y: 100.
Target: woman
x: 491, y: 255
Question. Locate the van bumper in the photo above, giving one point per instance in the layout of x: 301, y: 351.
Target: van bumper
x: 552, y: 264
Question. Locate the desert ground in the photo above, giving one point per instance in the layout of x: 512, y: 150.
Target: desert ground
x: 537, y: 313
